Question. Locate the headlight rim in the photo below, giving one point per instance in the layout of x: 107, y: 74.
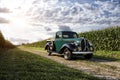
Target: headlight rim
x: 76, y: 43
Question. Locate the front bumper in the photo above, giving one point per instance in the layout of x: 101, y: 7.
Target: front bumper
x: 82, y: 53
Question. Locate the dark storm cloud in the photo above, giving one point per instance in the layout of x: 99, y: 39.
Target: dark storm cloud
x: 64, y: 28
x: 4, y: 10
x: 3, y: 20
x: 48, y: 29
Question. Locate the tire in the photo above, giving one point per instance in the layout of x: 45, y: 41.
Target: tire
x: 88, y: 56
x: 49, y: 51
x: 67, y: 54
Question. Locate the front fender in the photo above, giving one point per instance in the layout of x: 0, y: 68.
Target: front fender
x: 71, y: 47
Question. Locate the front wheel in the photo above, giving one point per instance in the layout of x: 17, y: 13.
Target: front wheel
x: 88, y: 56
x: 67, y: 54
x: 49, y: 51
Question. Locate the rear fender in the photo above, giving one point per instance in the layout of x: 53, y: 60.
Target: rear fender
x: 47, y: 44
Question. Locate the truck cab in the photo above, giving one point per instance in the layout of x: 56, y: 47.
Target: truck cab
x: 68, y: 43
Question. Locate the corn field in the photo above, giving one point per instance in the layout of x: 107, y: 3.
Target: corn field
x: 5, y: 43
x: 2, y: 40
x: 107, y: 39
x: 40, y: 44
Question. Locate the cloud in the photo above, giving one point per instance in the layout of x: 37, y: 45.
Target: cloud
x: 75, y: 15
x: 48, y: 29
x: 64, y: 11
x: 64, y: 28
x: 49, y: 16
x: 4, y: 10
x: 3, y: 20
x: 18, y: 40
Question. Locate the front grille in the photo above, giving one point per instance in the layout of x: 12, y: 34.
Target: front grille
x: 84, y: 45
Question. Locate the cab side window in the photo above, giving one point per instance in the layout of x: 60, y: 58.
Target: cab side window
x: 58, y: 35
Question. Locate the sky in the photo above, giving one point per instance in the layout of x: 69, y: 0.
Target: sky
x: 25, y: 21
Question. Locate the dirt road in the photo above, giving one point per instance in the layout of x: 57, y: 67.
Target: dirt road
x: 108, y: 70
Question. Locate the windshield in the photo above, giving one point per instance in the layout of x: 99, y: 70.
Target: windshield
x: 70, y: 35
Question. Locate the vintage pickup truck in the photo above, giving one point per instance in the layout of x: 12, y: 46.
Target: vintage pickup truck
x: 68, y: 43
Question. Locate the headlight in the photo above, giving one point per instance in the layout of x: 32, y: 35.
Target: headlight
x: 76, y: 43
x: 90, y: 44
x: 79, y: 48
x: 91, y: 49
x: 75, y: 49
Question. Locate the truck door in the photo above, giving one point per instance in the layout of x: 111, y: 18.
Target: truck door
x: 58, y: 41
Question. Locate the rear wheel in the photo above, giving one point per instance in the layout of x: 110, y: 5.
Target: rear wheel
x: 88, y: 56
x: 49, y: 51
x: 67, y: 54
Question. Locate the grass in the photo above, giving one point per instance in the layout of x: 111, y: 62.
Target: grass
x: 36, y: 48
x: 21, y: 65
x: 108, y: 55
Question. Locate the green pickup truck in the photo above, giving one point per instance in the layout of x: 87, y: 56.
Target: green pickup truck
x: 68, y: 43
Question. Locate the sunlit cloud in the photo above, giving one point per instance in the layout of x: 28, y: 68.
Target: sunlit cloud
x: 99, y: 13
x: 4, y: 10
x: 3, y: 20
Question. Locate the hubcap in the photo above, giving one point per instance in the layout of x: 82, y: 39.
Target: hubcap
x: 66, y: 54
